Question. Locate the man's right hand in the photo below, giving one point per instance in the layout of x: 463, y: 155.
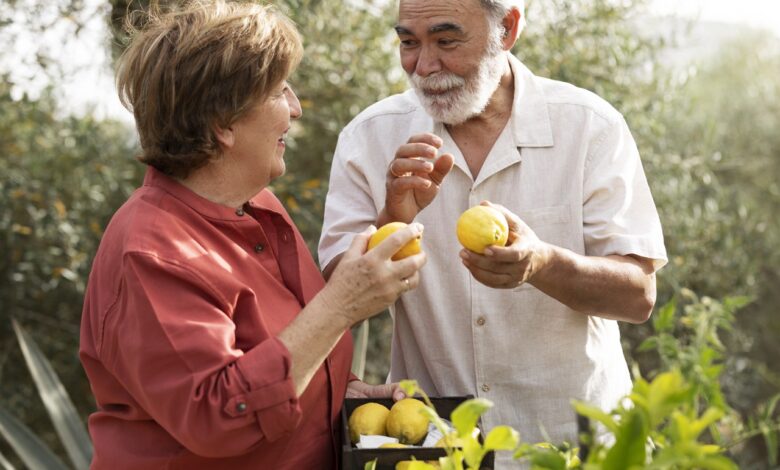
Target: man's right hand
x: 413, y: 178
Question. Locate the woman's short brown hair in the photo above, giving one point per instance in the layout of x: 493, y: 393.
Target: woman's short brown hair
x: 205, y: 65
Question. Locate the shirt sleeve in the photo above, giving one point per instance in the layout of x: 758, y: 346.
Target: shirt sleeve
x: 349, y: 205
x: 174, y: 351
x: 619, y: 215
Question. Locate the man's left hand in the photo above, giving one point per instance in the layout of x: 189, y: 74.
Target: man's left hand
x: 360, y: 389
x: 509, y: 266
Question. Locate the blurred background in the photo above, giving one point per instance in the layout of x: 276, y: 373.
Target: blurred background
x: 698, y: 81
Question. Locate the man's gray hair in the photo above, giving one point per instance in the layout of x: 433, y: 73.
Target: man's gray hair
x: 497, y: 10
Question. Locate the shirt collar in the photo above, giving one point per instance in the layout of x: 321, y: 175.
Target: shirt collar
x: 156, y: 179
x: 530, y: 119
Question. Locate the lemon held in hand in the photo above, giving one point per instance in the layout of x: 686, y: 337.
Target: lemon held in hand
x: 367, y: 419
x: 407, y: 422
x: 411, y: 248
x: 481, y: 227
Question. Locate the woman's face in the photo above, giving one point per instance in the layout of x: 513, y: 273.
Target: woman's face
x: 259, y: 136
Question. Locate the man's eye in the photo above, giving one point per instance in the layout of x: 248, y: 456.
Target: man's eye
x: 407, y: 43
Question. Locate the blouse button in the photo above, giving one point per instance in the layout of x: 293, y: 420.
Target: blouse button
x: 485, y: 387
x: 481, y: 321
x: 239, y: 211
x: 241, y: 407
x: 259, y: 247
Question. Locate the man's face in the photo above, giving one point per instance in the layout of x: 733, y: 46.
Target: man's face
x: 452, y: 54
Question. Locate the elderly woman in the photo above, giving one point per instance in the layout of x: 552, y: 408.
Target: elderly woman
x: 208, y: 335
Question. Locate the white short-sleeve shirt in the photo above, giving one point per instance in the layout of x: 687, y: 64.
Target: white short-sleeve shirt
x: 567, y: 164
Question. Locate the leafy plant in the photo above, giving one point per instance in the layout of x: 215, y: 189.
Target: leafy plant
x: 33, y: 452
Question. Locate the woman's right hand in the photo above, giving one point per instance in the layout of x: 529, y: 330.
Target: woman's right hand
x: 365, y: 282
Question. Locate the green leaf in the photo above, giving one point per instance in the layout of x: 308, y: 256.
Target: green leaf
x: 452, y: 463
x: 710, y: 416
x: 713, y: 462
x: 548, y: 460
x: 734, y: 303
x: 466, y: 415
x: 409, y: 387
x: 770, y: 439
x: 596, y: 414
x: 27, y: 446
x: 664, y: 319
x: 436, y: 420
x: 473, y: 452
x: 4, y: 463
x: 63, y: 413
x: 650, y: 344
x: 667, y: 392
x: 502, y: 438
x: 629, y: 447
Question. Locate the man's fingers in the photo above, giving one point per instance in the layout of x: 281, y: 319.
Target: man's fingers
x: 515, y: 223
x: 416, y: 150
x: 427, y: 138
x: 496, y: 280
x: 491, y: 263
x: 404, y: 166
x: 441, y: 168
x: 407, y: 183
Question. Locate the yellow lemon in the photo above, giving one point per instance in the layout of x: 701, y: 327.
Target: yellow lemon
x: 411, y: 248
x: 481, y: 227
x: 367, y: 419
x: 392, y: 445
x: 407, y: 422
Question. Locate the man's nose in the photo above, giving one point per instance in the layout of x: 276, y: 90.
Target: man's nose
x: 428, y: 62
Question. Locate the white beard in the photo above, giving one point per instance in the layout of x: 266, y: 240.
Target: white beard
x: 456, y: 99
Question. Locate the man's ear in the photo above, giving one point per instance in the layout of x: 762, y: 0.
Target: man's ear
x: 511, y: 24
x: 225, y: 136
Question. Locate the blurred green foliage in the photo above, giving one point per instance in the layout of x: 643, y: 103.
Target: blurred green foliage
x: 62, y: 179
x: 707, y: 134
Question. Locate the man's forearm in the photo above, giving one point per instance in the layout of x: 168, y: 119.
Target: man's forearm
x: 615, y: 287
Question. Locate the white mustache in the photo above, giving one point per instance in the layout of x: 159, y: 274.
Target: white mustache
x: 441, y: 81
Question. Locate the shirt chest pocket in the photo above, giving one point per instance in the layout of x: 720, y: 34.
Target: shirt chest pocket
x: 552, y: 225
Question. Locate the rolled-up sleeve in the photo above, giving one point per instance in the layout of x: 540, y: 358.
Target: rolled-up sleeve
x: 619, y: 215
x: 350, y: 206
x: 170, y: 340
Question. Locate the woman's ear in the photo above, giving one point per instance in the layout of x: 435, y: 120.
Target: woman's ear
x: 225, y: 136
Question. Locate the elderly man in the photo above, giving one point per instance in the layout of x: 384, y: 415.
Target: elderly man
x: 533, y: 324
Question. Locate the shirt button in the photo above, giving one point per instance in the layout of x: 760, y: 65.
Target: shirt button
x: 481, y: 321
x: 285, y: 238
x: 239, y: 212
x: 241, y: 407
x: 485, y: 387
x: 259, y: 247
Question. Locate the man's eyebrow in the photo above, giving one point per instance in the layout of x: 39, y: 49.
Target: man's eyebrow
x: 441, y: 27
x: 437, y: 28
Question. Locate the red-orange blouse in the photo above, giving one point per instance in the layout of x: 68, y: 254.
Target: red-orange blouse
x: 178, y: 338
